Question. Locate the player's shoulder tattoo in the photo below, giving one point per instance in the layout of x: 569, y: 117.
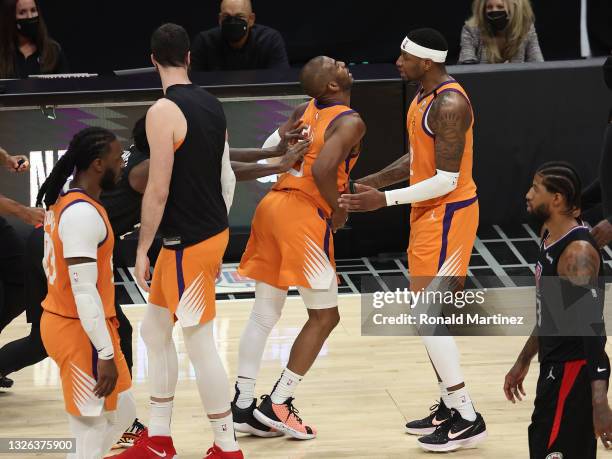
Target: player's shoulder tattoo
x: 579, y: 263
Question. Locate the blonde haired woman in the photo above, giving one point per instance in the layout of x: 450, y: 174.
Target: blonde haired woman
x: 500, y: 31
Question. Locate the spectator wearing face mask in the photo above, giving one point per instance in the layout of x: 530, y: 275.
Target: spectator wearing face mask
x: 25, y: 46
x: 500, y: 31
x: 238, y: 43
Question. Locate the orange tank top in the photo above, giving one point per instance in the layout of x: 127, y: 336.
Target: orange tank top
x: 60, y: 299
x: 422, y: 152
x: 317, y: 118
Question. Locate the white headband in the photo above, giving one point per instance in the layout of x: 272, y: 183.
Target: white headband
x: 435, y: 55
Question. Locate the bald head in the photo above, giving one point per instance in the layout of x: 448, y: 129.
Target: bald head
x: 236, y: 7
x: 316, y: 75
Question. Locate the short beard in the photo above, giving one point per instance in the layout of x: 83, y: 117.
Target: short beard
x: 109, y: 180
x: 541, y: 213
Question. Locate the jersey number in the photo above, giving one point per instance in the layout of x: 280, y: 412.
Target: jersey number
x: 49, y: 256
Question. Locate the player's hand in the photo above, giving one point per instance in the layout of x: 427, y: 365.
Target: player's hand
x: 17, y: 163
x: 31, y: 215
x: 142, y: 270
x: 602, y: 233
x: 338, y: 219
x: 107, y: 378
x: 365, y: 199
x: 294, y: 154
x: 513, y: 384
x: 602, y: 423
x: 291, y: 137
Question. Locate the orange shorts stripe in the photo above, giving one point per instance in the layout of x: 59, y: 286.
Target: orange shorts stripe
x: 291, y: 243
x: 184, y: 280
x: 442, y: 238
x: 68, y: 345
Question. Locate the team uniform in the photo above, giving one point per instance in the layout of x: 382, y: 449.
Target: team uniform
x: 562, y: 420
x: 442, y: 235
x: 61, y: 330
x: 443, y: 229
x: 291, y: 242
x: 194, y: 227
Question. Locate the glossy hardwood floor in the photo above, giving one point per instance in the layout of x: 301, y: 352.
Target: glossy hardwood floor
x: 359, y: 393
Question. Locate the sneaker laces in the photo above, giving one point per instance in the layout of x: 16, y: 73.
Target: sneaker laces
x: 292, y: 409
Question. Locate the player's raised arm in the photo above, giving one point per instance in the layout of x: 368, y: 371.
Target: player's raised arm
x: 277, y: 144
x: 162, y: 118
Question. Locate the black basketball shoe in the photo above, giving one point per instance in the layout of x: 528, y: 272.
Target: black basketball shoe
x: 5, y: 383
x: 439, y: 413
x: 245, y: 422
x: 455, y: 433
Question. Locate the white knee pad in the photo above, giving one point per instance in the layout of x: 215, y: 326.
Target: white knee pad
x: 88, y: 432
x: 320, y: 299
x: 269, y: 302
x: 156, y: 327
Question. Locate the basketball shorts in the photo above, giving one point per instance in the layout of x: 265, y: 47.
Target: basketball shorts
x: 562, y: 421
x: 291, y: 244
x: 68, y: 345
x: 441, y: 241
x: 184, y: 280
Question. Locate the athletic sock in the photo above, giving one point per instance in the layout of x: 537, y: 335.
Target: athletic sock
x: 443, y: 392
x: 285, y: 386
x: 460, y: 401
x: 159, y: 421
x: 223, y: 429
x: 246, y: 391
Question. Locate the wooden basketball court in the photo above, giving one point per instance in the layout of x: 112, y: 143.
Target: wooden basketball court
x: 359, y: 393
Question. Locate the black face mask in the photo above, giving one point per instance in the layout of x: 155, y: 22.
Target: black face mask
x: 234, y: 29
x: 607, y: 68
x: 28, y: 27
x: 497, y: 20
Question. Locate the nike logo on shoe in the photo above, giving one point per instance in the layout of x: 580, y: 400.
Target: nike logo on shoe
x: 601, y: 370
x: 437, y: 422
x: 157, y: 452
x: 452, y: 436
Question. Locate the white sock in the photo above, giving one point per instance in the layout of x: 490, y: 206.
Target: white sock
x: 246, y: 391
x: 159, y: 420
x: 443, y: 392
x: 223, y: 428
x: 285, y: 387
x: 460, y: 401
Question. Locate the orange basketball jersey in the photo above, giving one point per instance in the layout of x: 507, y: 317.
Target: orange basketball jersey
x: 422, y: 152
x: 317, y: 118
x: 60, y: 299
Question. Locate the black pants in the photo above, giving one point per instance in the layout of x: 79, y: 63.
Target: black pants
x: 27, y: 351
x: 11, y: 274
x: 562, y: 420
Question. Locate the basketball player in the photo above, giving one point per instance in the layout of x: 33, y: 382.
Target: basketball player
x: 291, y: 244
x: 443, y: 219
x: 188, y: 195
x: 571, y: 406
x: 79, y: 325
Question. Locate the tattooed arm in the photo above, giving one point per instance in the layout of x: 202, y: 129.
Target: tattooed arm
x: 397, y: 171
x: 449, y: 118
x: 579, y: 264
